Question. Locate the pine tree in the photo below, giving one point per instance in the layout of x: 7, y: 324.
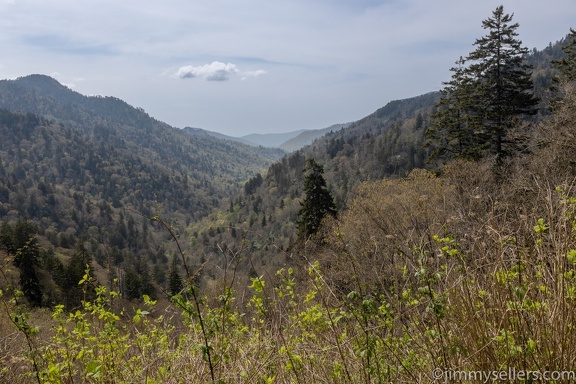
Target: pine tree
x: 485, y: 98
x: 74, y: 272
x: 132, y: 284
x: 27, y: 259
x: 175, y: 283
x: 317, y: 203
x: 455, y: 132
x: 7, y: 238
x: 567, y: 65
x: 76, y: 268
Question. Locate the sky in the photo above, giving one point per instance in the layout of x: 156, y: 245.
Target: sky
x: 257, y: 66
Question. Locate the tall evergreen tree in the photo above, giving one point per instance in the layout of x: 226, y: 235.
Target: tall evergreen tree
x: 485, y: 98
x: 175, y: 283
x: 27, y: 259
x: 455, y: 131
x: 567, y: 65
x: 74, y: 272
x: 7, y: 238
x: 318, y: 201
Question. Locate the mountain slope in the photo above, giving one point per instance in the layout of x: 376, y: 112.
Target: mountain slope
x: 387, y: 143
x: 203, y: 133
x: 205, y: 157
x: 84, y: 170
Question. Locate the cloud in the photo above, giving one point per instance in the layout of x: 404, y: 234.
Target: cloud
x: 257, y: 73
x: 215, y: 71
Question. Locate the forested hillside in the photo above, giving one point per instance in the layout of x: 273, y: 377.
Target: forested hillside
x: 90, y: 169
x: 410, y: 271
x: 387, y: 143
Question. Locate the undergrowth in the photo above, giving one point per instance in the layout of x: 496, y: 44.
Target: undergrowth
x: 508, y: 299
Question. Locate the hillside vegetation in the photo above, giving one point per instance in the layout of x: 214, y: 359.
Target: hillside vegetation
x: 461, y: 271
x: 87, y: 171
x: 423, y: 275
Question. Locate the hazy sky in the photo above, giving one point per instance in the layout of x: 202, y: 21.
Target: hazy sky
x: 257, y: 66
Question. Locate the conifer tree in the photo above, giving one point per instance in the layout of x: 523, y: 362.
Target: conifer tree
x: 175, y: 283
x: 74, y: 272
x: 485, y: 97
x: 318, y: 201
x: 27, y: 259
x: 567, y: 65
x: 454, y: 132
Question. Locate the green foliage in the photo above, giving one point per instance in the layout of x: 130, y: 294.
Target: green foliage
x: 252, y: 184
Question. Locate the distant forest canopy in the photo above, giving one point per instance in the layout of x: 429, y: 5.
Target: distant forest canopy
x: 90, y: 172
x: 92, y: 169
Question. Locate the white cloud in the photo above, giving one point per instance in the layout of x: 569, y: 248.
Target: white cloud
x: 257, y: 73
x: 215, y: 71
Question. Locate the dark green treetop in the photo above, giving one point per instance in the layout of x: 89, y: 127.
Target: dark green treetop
x: 455, y: 132
x: 567, y: 65
x: 24, y: 246
x: 318, y: 201
x: 489, y: 90
x: 175, y: 282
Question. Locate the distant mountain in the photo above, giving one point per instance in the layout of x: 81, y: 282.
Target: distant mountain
x: 308, y: 136
x: 204, y: 133
x: 290, y: 141
x: 271, y: 139
x: 100, y: 118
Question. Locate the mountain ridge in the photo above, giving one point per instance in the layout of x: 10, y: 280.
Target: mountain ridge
x: 94, y: 167
x: 271, y: 139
